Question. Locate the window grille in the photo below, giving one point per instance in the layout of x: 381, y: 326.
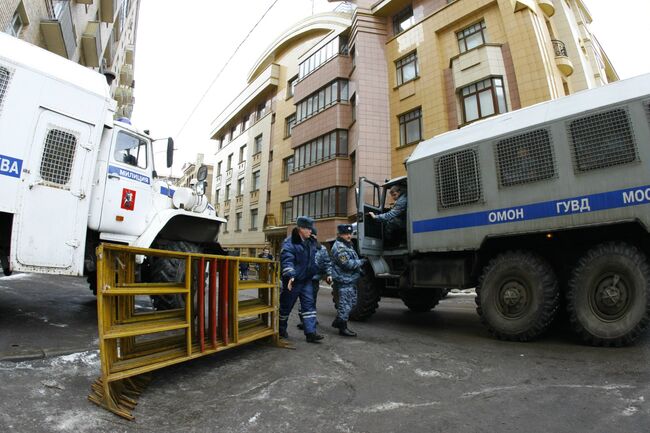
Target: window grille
x: 525, y: 158
x: 5, y: 76
x: 602, y: 140
x: 458, y: 179
x: 58, y: 157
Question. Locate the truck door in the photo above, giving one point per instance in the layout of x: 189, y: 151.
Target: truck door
x: 369, y: 233
x: 52, y: 219
x: 128, y: 197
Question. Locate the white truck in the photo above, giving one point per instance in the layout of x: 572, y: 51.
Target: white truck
x: 71, y: 176
x: 541, y: 209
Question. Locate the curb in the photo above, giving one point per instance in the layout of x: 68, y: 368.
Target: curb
x: 44, y: 354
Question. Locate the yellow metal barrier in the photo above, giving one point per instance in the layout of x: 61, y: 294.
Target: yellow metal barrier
x: 219, y: 311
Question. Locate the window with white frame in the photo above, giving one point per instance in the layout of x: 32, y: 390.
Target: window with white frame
x: 483, y: 99
x: 16, y: 24
x: 471, y: 37
x: 255, y: 186
x: 238, y: 221
x: 287, y: 168
x: 407, y: 68
x: 289, y: 123
x: 240, y: 186
x: 410, y: 127
x: 257, y: 146
x: 227, y: 192
x: 403, y: 20
x: 291, y: 86
x: 332, y: 93
x: 254, y: 213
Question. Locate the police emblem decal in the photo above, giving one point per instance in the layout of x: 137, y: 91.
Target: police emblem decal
x: 128, y: 199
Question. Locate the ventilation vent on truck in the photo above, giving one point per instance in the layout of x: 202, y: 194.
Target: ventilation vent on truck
x: 602, y: 140
x: 458, y: 179
x: 5, y: 76
x: 58, y: 157
x: 525, y: 158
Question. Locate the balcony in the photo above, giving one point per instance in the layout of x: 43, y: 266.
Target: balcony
x: 126, y: 75
x: 217, y: 181
x: 226, y: 206
x: 129, y: 54
x: 124, y: 95
x: 228, y: 174
x: 338, y: 115
x: 239, y: 201
x: 257, y: 159
x: 109, y: 51
x: 107, y: 10
x: 255, y: 197
x: 562, y: 60
x: 240, y: 168
x: 91, y: 44
x: 547, y: 7
x: 339, y: 66
x: 58, y: 31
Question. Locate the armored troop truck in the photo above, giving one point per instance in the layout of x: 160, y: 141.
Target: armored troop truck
x: 539, y: 209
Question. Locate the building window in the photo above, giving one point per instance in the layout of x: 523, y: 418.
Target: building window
x: 256, y: 181
x: 353, y: 163
x: 407, y: 68
x: 410, y: 127
x: 254, y: 213
x: 16, y: 24
x: 471, y: 37
x: 219, y: 168
x: 246, y: 122
x: 240, y: 186
x: 287, y: 212
x: 353, y: 56
x: 242, y: 153
x: 227, y: 192
x: 483, y: 99
x: 338, y: 45
x: 229, y: 163
x: 261, y: 111
x: 289, y: 123
x: 332, y: 93
x: 258, y: 144
x: 291, y: 86
x: 324, y: 203
x: 233, y: 132
x: 404, y: 20
x: 353, y: 106
x: 321, y: 149
x: 219, y: 143
x: 287, y: 168
x: 216, y: 195
x: 225, y: 225
x: 238, y: 221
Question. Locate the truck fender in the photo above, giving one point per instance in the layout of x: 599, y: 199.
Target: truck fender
x: 179, y: 224
x: 380, y: 267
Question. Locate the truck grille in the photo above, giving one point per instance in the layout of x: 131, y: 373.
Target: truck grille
x: 525, y: 158
x: 5, y: 76
x: 602, y: 140
x: 458, y: 179
x: 58, y: 157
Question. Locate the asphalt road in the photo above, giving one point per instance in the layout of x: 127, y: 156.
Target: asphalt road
x: 434, y: 372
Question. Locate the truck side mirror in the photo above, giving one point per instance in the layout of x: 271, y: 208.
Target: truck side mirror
x: 202, y: 173
x: 170, y: 152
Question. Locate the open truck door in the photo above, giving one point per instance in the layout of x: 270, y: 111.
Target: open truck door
x: 369, y: 233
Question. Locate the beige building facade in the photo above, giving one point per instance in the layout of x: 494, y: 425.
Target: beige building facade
x: 350, y: 94
x: 99, y: 34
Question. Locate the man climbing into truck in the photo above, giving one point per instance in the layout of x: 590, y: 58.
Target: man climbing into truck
x: 394, y: 219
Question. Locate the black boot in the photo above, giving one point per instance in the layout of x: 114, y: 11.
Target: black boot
x: 344, y: 331
x: 314, y: 337
x: 336, y: 323
x: 284, y: 333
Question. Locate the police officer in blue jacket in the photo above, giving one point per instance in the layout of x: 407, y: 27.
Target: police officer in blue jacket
x: 346, y: 271
x: 298, y: 267
x: 395, y: 219
x: 324, y: 266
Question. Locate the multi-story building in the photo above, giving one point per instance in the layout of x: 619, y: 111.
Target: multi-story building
x: 190, y: 170
x: 345, y: 95
x: 99, y: 34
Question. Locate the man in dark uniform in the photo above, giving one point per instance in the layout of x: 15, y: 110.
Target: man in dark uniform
x: 346, y: 271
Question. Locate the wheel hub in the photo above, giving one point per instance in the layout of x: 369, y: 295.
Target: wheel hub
x: 610, y: 299
x: 513, y: 299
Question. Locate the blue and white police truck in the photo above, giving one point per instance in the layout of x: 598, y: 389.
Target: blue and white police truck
x: 71, y: 176
x: 539, y: 209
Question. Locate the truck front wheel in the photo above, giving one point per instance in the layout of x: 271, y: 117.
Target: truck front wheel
x: 167, y: 270
x: 368, y: 295
x: 608, y: 297
x: 517, y: 296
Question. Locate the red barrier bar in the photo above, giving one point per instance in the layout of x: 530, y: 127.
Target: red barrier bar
x: 201, y: 303
x: 213, y: 303
x: 223, y: 301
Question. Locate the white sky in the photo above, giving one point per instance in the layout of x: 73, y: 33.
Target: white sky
x: 181, y: 46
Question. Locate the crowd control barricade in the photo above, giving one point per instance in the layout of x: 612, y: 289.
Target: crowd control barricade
x: 217, y: 311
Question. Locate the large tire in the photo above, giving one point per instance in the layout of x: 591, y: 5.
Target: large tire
x: 608, y: 297
x: 368, y: 296
x: 168, y: 270
x: 418, y: 300
x: 517, y: 296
